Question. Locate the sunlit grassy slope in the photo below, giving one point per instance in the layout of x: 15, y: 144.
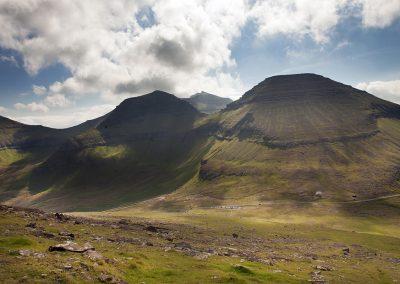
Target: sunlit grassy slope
x: 304, y: 234
x: 274, y: 243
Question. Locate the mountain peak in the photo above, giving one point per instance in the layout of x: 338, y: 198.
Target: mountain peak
x: 208, y: 103
x: 305, y: 108
x: 301, y: 80
x: 295, y: 87
x: 150, y: 105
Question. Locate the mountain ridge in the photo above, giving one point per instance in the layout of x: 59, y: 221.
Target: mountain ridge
x: 288, y: 137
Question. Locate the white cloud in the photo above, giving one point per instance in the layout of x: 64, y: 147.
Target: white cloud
x: 57, y: 100
x: 297, y: 18
x: 104, y: 46
x: 64, y: 120
x: 379, y: 13
x: 317, y: 19
x: 39, y: 90
x: 34, y: 107
x: 9, y: 59
x: 388, y: 90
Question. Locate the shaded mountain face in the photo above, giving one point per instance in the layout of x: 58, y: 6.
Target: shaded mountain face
x: 295, y: 137
x: 17, y: 135
x: 208, y: 103
x: 24, y: 147
x: 147, y: 146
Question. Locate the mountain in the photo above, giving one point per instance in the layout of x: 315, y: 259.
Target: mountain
x: 300, y: 137
x: 285, y: 111
x: 208, y: 103
x: 147, y: 146
x: 16, y: 135
x: 295, y: 137
x: 24, y: 147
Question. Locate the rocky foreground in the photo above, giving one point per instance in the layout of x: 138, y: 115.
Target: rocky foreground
x: 36, y: 246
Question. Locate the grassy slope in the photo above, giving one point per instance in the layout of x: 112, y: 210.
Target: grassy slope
x: 129, y: 262
x: 243, y: 172
x: 297, y: 231
x: 295, y: 238
x: 22, y: 149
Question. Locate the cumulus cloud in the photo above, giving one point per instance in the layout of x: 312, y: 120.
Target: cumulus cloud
x: 9, y: 59
x: 39, y: 90
x: 34, y: 107
x: 317, y: 19
x: 145, y: 85
x: 297, y: 18
x: 57, y: 100
x: 105, y: 47
x: 388, y: 90
x: 64, y: 120
x: 379, y: 13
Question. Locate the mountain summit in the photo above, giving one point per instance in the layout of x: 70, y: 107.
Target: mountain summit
x: 208, y: 103
x: 304, y: 109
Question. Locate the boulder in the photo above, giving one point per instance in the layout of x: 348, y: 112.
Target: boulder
x: 72, y: 247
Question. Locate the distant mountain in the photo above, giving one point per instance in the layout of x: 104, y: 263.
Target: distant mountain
x: 293, y: 137
x: 208, y: 103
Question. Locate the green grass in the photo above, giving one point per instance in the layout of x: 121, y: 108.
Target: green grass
x: 132, y: 263
x: 15, y: 242
x: 108, y: 152
x: 10, y: 156
x: 295, y: 230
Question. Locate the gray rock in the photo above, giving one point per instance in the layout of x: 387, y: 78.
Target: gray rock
x: 72, y: 247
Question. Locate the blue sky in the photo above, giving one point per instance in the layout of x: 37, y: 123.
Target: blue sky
x: 64, y: 62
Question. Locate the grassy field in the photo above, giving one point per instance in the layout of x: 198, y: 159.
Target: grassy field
x: 298, y: 237
x: 268, y: 243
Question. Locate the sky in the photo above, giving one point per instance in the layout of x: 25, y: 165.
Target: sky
x: 63, y: 62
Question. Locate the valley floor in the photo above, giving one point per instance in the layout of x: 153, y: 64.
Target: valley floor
x: 269, y: 243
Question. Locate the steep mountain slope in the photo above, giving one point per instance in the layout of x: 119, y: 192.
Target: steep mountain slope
x: 208, y: 103
x: 301, y: 137
x: 147, y: 146
x: 24, y: 147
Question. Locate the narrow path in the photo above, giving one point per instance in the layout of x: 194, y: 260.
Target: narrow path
x: 302, y: 202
